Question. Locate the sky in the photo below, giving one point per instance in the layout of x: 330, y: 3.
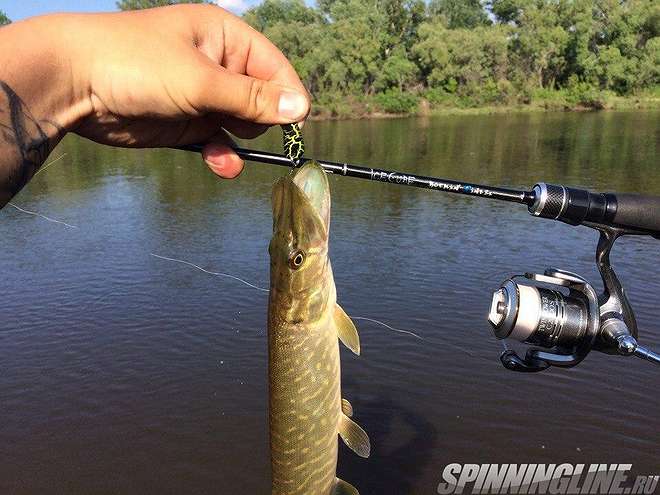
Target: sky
x: 20, y: 9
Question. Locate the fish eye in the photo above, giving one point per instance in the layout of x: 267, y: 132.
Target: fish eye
x: 296, y: 259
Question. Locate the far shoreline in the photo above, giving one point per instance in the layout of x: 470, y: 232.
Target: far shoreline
x: 616, y: 104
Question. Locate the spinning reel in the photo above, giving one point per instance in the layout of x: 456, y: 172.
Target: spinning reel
x: 560, y: 314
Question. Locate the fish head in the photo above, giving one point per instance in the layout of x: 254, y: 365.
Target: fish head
x: 301, y: 223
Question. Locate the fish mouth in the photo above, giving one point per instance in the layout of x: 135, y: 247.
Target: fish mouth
x: 313, y: 181
x: 301, y: 204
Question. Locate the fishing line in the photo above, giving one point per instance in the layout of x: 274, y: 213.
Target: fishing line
x: 398, y: 330
x: 294, y: 147
x: 413, y: 334
x: 49, y: 164
x: 39, y: 214
x: 217, y: 274
x: 42, y: 216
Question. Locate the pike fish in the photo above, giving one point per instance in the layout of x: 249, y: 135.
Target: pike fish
x: 307, y: 411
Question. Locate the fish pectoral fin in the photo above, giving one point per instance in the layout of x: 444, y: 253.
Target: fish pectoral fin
x: 344, y: 488
x: 346, y: 330
x: 354, y: 437
x: 346, y: 408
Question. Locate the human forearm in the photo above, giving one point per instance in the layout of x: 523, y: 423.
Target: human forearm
x: 38, y: 100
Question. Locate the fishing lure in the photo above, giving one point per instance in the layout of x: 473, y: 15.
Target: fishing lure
x: 294, y: 145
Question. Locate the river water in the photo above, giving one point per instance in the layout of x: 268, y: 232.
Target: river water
x: 124, y: 373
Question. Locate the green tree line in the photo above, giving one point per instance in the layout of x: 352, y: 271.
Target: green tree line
x: 390, y: 55
x: 393, y: 53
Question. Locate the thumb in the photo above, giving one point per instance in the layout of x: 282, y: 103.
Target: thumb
x: 250, y: 99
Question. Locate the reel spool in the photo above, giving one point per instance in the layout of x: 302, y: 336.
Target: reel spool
x: 557, y: 311
x: 560, y: 314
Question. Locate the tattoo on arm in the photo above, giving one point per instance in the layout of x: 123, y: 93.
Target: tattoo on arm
x: 24, y: 143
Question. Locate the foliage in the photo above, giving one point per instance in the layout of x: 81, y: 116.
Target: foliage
x: 148, y: 4
x: 4, y: 20
x: 286, y: 12
x: 395, y: 101
x: 387, y: 54
x: 584, y: 94
x: 357, y: 57
x: 397, y: 71
x: 459, y: 13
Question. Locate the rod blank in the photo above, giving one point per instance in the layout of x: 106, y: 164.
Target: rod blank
x: 392, y: 177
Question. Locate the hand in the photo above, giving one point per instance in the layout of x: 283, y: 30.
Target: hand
x: 180, y: 75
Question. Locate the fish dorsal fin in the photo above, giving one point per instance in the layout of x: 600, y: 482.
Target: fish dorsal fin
x: 346, y: 330
x: 346, y: 408
x: 354, y: 437
x: 343, y: 488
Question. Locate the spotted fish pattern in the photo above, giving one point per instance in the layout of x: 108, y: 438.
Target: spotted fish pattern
x: 294, y: 145
x: 307, y: 412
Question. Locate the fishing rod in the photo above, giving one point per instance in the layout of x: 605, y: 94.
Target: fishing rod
x: 557, y: 312
x: 570, y: 205
x: 379, y: 175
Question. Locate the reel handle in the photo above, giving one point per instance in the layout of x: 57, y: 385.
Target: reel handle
x: 644, y: 353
